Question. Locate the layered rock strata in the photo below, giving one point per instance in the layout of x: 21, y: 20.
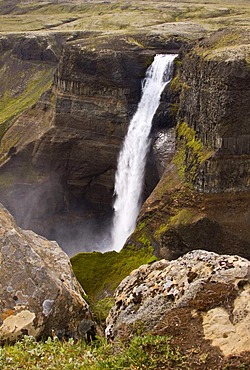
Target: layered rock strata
x: 215, y: 96
x: 202, y: 200
x: 65, y: 167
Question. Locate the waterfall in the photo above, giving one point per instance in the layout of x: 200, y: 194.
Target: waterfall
x: 129, y: 176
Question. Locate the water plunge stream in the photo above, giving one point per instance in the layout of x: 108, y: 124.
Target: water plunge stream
x: 132, y: 158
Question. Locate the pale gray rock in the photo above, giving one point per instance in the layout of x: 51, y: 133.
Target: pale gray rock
x: 39, y: 294
x: 201, y: 292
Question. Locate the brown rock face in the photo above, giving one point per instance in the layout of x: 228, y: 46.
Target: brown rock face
x: 203, y: 198
x: 201, y: 299
x: 214, y: 101
x: 39, y: 292
x: 72, y: 157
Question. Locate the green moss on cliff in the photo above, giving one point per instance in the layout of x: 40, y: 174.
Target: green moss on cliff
x: 101, y: 273
x: 144, y: 240
x: 12, y: 105
x: 167, y: 183
x: 175, y: 84
x: 174, y: 107
x: 183, y: 217
x: 190, y: 152
x: 26, y: 174
x: 142, y: 237
x: 141, y: 225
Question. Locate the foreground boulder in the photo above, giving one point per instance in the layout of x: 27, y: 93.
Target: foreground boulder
x: 202, y: 299
x: 40, y: 295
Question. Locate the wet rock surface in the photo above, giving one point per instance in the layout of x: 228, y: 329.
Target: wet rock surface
x: 40, y: 295
x: 202, y: 299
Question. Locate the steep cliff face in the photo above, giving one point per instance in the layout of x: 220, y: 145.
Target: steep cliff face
x: 64, y: 169
x: 27, y: 65
x: 59, y: 157
x: 202, y: 200
x: 96, y: 92
x: 215, y: 97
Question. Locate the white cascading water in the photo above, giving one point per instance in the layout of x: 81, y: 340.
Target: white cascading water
x: 132, y: 158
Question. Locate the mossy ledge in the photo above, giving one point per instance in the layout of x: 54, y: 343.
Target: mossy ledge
x: 183, y: 217
x: 190, y: 154
x: 101, y: 273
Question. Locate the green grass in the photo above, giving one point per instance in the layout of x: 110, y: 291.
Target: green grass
x: 100, y: 273
x: 190, y: 152
x: 141, y: 352
x: 183, y: 217
x: 101, y: 309
x: 12, y: 105
x: 120, y: 16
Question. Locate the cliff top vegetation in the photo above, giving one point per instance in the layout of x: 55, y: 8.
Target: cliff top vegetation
x: 122, y: 16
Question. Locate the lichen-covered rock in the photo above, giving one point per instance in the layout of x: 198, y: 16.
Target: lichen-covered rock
x: 202, y: 299
x: 39, y: 294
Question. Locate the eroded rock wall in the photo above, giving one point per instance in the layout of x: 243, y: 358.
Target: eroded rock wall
x: 214, y: 101
x: 96, y: 93
x: 202, y: 199
x: 64, y: 156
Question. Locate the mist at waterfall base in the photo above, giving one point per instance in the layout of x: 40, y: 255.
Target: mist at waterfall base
x: 76, y: 233
x: 80, y: 230
x: 40, y: 208
x: 132, y: 158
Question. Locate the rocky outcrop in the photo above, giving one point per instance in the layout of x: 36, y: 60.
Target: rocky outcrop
x: 201, y: 299
x: 40, y: 295
x: 176, y: 219
x: 37, y: 48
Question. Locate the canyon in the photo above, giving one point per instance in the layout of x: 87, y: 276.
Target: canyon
x: 58, y: 190
x: 71, y: 80
x: 68, y: 108
x: 58, y: 158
